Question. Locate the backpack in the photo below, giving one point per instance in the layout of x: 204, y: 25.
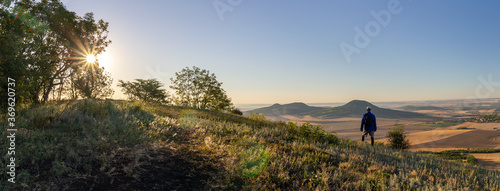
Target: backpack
x: 369, y: 120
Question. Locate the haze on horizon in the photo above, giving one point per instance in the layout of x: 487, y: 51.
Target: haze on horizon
x: 283, y: 52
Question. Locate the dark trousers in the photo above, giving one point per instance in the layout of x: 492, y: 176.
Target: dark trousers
x: 371, y: 133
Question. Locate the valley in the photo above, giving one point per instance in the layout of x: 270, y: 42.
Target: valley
x: 430, y: 125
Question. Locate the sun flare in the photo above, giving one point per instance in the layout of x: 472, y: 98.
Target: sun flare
x: 91, y: 58
x: 104, y: 60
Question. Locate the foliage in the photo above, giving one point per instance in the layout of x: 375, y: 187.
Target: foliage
x: 257, y: 117
x: 311, y: 132
x: 92, y: 82
x: 236, y: 111
x: 16, y: 39
x: 447, y: 155
x: 471, y: 159
x: 460, y: 154
x: 492, y: 118
x: 45, y: 46
x: 397, y: 137
x: 144, y: 90
x: 200, y: 89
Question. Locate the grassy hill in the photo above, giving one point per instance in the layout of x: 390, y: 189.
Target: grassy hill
x: 286, y: 109
x: 102, y: 145
x: 357, y: 108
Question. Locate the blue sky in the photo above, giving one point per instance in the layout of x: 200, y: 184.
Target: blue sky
x: 288, y: 51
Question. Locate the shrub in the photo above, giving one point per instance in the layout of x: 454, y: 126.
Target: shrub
x: 397, y: 137
x: 236, y: 111
x: 471, y: 159
x: 257, y: 117
x: 310, y: 132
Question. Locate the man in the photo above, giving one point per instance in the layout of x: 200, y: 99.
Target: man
x: 369, y: 123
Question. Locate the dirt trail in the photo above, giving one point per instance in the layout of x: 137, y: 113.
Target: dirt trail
x: 171, y: 167
x: 163, y: 169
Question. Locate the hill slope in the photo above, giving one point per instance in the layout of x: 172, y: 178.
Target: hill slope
x: 87, y: 144
x: 286, y: 109
x: 357, y: 108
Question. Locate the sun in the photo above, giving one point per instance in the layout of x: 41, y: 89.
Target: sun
x: 91, y: 58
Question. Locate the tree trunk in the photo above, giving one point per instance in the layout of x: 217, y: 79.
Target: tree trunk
x: 47, y: 91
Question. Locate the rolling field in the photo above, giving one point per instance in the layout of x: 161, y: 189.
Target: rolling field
x: 489, y: 160
x: 422, y: 136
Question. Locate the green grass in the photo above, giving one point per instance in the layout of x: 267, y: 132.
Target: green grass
x: 67, y: 140
x: 441, y: 124
x: 452, y: 156
x: 459, y: 155
x: 71, y: 138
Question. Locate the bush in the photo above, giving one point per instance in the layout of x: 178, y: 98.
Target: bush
x: 236, y: 111
x: 397, y: 138
x: 471, y: 159
x: 257, y: 117
x: 310, y: 132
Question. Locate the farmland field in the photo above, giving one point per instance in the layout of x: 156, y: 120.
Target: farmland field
x: 423, y: 136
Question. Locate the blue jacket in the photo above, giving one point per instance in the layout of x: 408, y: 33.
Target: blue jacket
x: 369, y: 128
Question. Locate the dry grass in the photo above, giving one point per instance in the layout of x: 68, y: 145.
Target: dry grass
x: 208, y: 150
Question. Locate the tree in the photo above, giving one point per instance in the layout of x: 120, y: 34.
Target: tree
x: 199, y: 89
x: 397, y: 137
x: 93, y: 82
x: 20, y: 41
x: 144, y: 90
x: 45, y: 45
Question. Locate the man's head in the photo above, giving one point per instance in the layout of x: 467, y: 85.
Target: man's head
x: 368, y: 108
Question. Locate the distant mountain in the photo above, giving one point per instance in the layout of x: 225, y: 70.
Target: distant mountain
x: 286, y: 109
x: 416, y: 108
x: 357, y: 108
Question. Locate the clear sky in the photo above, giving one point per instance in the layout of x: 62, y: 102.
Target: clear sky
x: 291, y: 51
